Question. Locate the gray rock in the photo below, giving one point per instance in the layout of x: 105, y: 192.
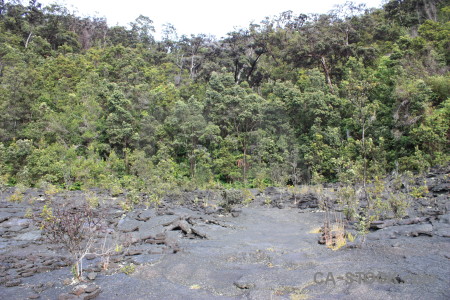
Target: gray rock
x: 419, y: 229
x: 65, y: 296
x: 13, y: 222
x: 156, y: 221
x: 4, y: 216
x: 92, y: 295
x: 243, y: 284
x: 172, y: 238
x: 90, y: 256
x: 182, y: 225
x: 15, y: 228
x: 308, y: 200
x: 91, y: 288
x: 404, y: 230
x: 29, y: 236
x: 12, y: 283
x: 211, y: 210
x: 235, y: 214
x: 79, y: 289
x: 146, y: 215
x: 441, y: 229
x: 145, y: 259
x: 441, y: 188
x: 128, y: 225
x: 199, y: 231
x: 92, y: 276
x: 133, y: 252
x: 150, y: 232
x: 445, y: 219
x: 27, y: 274
x: 271, y: 190
x: 155, y: 249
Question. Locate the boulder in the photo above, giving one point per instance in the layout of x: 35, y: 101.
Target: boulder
x: 441, y: 188
x: 442, y: 229
x: 29, y: 236
x: 128, y: 225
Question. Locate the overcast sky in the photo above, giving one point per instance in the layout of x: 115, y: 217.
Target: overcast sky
x: 198, y: 16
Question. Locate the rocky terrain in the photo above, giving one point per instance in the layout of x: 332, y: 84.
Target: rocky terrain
x: 208, y: 245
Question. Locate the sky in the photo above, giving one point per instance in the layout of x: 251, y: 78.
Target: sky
x: 198, y: 16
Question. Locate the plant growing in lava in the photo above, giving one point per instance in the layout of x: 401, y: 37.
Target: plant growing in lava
x: 73, y: 227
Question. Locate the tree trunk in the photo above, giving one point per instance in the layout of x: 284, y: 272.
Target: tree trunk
x: 191, y: 70
x: 252, y: 69
x: 430, y: 10
x: 192, y: 164
x: 238, y: 73
x: 327, y: 73
x: 245, y: 163
x: 364, y: 162
x: 125, y: 153
x: 28, y: 39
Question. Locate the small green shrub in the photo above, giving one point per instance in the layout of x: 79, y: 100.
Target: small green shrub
x: 128, y: 269
x: 28, y: 213
x: 348, y: 201
x: 51, y: 190
x: 92, y: 199
x: 76, y: 186
x: 16, y: 197
x: 133, y: 197
x: 116, y: 190
x: 125, y: 206
x: 419, y: 192
x: 375, y: 191
x: 362, y: 226
x: 381, y: 208
x: 398, y: 204
x: 230, y: 198
x: 248, y: 197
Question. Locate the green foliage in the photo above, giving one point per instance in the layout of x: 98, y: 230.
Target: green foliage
x: 231, y: 198
x: 17, y: 196
x: 419, y: 191
x: 398, y: 203
x: 92, y: 200
x: 349, y: 202
x: 362, y: 226
x: 128, y: 269
x: 345, y: 96
x: 247, y: 197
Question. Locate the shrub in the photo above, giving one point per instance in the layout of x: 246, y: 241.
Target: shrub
x: 92, y: 200
x: 381, y: 208
x: 398, y: 204
x: 51, y: 190
x: 16, y: 197
x: 18, y: 194
x: 247, y: 196
x: 348, y: 201
x: 333, y: 231
x: 73, y: 227
x: 128, y: 269
x: 230, y: 198
x: 362, y: 226
x: 419, y: 192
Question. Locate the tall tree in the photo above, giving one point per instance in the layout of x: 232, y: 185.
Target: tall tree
x: 236, y: 110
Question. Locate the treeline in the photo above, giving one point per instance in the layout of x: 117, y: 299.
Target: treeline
x: 343, y: 96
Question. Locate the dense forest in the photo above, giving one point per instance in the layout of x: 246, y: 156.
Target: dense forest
x: 347, y: 96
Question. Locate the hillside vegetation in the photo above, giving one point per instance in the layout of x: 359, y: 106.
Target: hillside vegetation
x: 346, y: 96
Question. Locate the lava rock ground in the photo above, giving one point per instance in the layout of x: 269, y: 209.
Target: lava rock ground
x: 189, y: 248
